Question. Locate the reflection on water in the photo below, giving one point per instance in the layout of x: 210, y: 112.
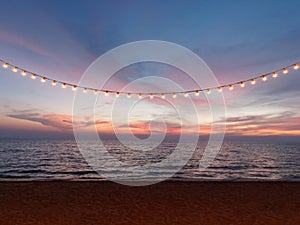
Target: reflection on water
x: 61, y: 159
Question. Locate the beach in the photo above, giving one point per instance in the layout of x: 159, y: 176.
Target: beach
x: 170, y: 202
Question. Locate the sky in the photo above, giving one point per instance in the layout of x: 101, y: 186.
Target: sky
x: 236, y: 39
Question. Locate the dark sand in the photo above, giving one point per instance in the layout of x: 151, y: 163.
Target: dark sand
x: 165, y: 203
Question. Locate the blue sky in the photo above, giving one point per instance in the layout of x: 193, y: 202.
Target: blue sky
x: 237, y: 39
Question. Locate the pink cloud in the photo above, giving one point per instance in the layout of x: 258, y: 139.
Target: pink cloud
x: 14, y: 39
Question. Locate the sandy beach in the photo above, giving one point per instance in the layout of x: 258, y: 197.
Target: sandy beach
x: 59, y: 202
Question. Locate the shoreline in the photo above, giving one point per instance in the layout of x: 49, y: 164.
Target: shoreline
x: 168, y: 202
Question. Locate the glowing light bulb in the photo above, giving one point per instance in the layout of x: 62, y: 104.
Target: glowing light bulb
x: 43, y: 79
x: 140, y: 95
x: 15, y: 69
x: 128, y: 95
x: 117, y: 94
x: 264, y: 78
x: 274, y: 74
x: 151, y: 96
x: 23, y: 73
x: 163, y: 96
x: 208, y: 91
x: 174, y: 95
x: 74, y: 88
x: 95, y: 92
x: 84, y: 90
x: 106, y: 93
x: 219, y: 89
x: 230, y: 87
x: 296, y: 66
x: 5, y: 65
x: 33, y: 76
x: 253, y: 81
x: 197, y: 93
x: 242, y: 84
x: 186, y: 94
x: 285, y: 71
x: 63, y: 85
x: 54, y: 83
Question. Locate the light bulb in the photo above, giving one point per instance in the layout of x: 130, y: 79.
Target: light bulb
x: 274, y: 74
x: 54, y: 83
x: 33, y: 76
x: 174, y: 95
x: 151, y: 96
x: 95, y: 92
x: 63, y: 85
x: 264, y: 78
x: 296, y: 66
x: 106, y: 93
x: 84, y: 90
x: 242, y: 84
x: 15, y: 69
x: 197, y: 93
x: 285, y: 71
x: 128, y: 95
x: 186, y: 94
x: 117, y: 94
x: 208, y: 91
x: 74, y: 88
x: 23, y: 73
x: 5, y: 65
x: 163, y: 96
x: 140, y: 95
x: 253, y: 81
x: 219, y: 89
x: 43, y: 79
x: 230, y: 87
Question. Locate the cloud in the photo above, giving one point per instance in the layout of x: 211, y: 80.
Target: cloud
x: 284, y: 123
x: 62, y: 122
x: 18, y: 40
x: 58, y: 121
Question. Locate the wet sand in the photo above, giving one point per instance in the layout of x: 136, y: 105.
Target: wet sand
x: 201, y: 203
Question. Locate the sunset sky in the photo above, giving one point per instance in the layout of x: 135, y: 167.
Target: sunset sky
x: 237, y: 40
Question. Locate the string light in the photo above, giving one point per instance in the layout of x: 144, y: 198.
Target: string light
x: 284, y: 70
x: 15, y: 69
x: 264, y: 77
x: 274, y: 74
x: 5, y: 65
x: 95, y: 92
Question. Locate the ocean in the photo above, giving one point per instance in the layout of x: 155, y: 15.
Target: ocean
x: 62, y: 160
